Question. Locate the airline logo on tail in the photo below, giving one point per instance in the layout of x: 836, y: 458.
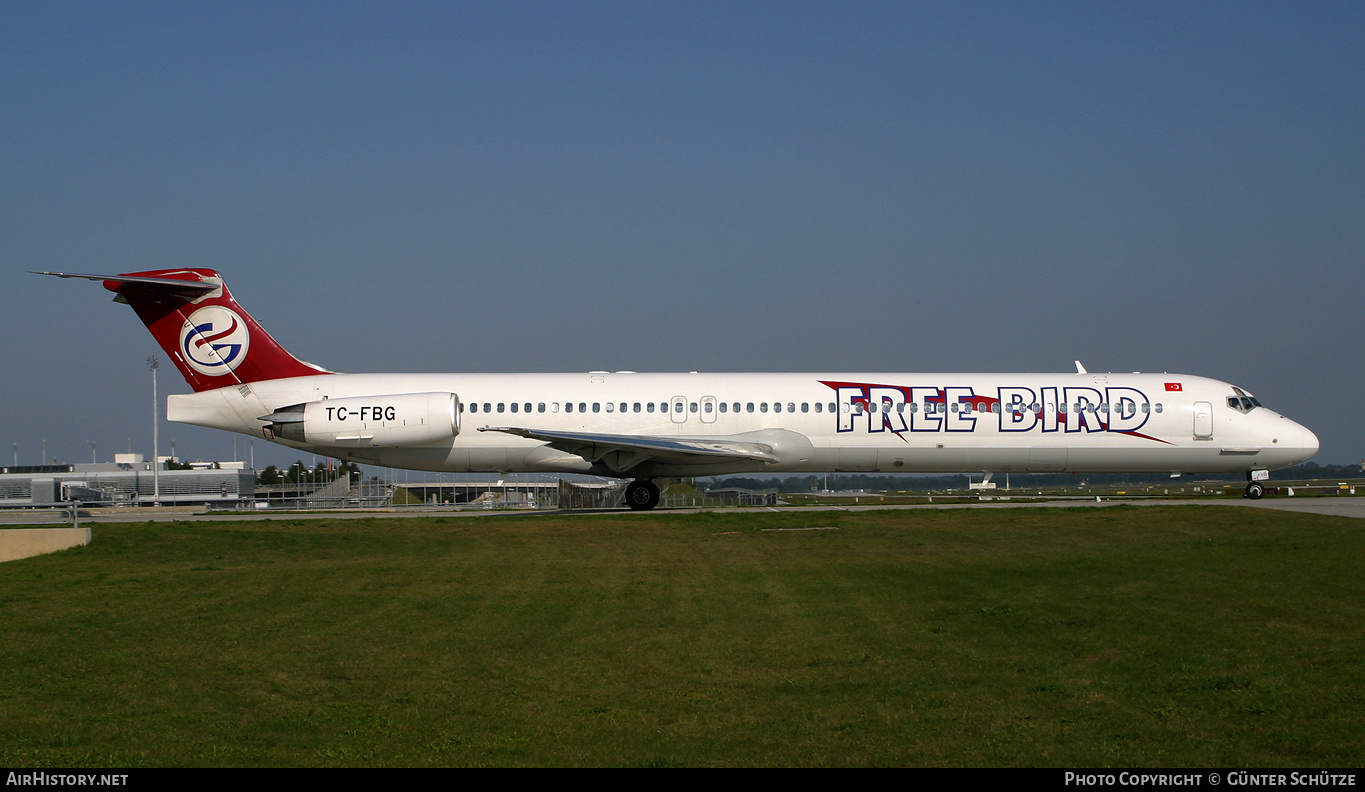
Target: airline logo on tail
x: 214, y: 340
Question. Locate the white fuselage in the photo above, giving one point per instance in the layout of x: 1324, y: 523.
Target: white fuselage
x: 889, y: 422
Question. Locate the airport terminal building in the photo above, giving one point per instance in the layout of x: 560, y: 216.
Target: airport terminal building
x: 129, y: 481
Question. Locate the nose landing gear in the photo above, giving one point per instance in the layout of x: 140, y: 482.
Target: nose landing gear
x: 1255, y: 489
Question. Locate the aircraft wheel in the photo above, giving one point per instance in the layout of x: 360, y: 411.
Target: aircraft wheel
x: 642, y: 495
x: 1255, y: 490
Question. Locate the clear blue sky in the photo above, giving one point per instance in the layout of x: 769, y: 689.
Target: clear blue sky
x: 670, y: 186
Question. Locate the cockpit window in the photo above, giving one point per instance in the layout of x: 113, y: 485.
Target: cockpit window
x: 1243, y: 402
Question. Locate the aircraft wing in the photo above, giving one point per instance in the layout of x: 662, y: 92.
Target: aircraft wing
x: 623, y: 452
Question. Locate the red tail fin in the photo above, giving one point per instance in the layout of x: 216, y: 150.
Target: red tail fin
x: 212, y: 340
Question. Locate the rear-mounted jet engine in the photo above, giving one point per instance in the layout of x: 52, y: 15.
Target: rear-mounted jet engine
x: 390, y: 421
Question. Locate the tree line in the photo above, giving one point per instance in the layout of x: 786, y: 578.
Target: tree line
x: 300, y: 473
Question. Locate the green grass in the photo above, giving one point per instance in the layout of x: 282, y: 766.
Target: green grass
x: 1208, y: 636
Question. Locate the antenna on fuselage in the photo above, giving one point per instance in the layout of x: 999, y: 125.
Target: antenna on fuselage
x: 1080, y: 369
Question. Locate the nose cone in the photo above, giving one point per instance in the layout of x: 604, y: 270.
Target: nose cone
x: 1284, y: 442
x: 1308, y: 444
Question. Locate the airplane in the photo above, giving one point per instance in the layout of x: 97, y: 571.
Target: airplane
x: 644, y: 427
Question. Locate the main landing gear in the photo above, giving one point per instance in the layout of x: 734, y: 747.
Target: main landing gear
x: 642, y: 495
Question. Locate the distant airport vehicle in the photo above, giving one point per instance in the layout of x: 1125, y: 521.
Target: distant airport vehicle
x: 649, y: 426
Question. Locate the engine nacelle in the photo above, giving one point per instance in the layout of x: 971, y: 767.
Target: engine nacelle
x: 405, y: 419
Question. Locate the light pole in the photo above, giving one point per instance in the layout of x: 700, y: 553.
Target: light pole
x: 156, y: 418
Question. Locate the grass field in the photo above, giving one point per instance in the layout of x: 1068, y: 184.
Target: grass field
x: 1172, y: 636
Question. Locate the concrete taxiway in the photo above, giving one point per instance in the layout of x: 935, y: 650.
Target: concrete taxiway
x: 1343, y: 506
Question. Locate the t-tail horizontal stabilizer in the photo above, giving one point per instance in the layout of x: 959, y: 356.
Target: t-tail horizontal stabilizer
x: 211, y: 339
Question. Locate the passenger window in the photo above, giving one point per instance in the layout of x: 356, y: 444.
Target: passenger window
x: 749, y: 407
x: 582, y: 406
x: 722, y: 406
x: 568, y: 407
x: 777, y: 407
x: 691, y: 407
x: 596, y: 407
x: 709, y: 407
x: 805, y: 407
x: 514, y: 406
x: 763, y: 407
x: 554, y: 407
x: 649, y: 407
x: 1158, y: 406
x: 636, y: 406
x: 540, y: 407
x: 500, y: 405
x: 819, y: 406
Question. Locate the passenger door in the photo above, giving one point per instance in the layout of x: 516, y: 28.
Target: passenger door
x: 1203, y: 420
